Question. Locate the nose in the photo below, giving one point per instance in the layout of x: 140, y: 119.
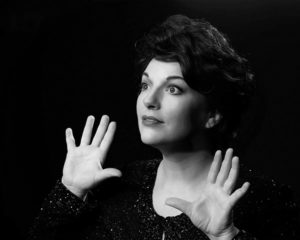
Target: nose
x: 152, y: 100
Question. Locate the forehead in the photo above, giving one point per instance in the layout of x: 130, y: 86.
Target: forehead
x: 162, y: 69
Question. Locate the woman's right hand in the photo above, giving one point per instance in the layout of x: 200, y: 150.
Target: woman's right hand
x: 83, y: 165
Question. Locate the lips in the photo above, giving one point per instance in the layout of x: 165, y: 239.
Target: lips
x: 150, y: 118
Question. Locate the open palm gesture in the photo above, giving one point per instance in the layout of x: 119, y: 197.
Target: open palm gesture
x: 83, y: 166
x: 212, y: 211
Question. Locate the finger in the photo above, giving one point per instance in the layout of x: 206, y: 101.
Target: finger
x: 225, y: 168
x: 215, y: 167
x: 87, y: 131
x: 232, y: 177
x: 180, y: 204
x: 239, y: 193
x: 106, y: 142
x: 101, y: 130
x: 107, y: 173
x: 70, y: 139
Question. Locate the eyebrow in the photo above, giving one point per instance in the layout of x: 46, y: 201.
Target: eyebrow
x: 168, y: 78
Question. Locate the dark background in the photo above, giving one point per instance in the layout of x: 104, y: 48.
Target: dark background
x: 65, y: 60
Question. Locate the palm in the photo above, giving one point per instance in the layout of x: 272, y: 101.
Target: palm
x: 212, y: 211
x: 83, y: 166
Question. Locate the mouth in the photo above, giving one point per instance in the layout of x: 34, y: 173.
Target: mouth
x: 149, y: 120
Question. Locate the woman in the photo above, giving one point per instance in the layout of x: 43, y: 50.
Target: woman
x: 193, y: 90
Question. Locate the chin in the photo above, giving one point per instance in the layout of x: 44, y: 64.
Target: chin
x: 162, y: 141
x: 150, y: 139
x: 156, y: 140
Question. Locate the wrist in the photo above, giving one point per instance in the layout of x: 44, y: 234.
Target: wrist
x: 229, y: 234
x: 76, y: 191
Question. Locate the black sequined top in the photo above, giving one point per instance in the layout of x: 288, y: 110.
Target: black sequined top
x: 121, y: 208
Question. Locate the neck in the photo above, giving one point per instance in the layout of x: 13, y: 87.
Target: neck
x: 185, y: 168
x: 185, y: 164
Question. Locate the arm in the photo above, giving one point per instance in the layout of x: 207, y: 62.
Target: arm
x: 66, y: 212
x: 63, y: 214
x: 212, y: 212
x: 272, y: 211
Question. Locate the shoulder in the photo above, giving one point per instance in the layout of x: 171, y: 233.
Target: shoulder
x: 119, y: 195
x: 265, y: 190
x: 134, y: 175
x: 137, y: 172
x: 268, y: 208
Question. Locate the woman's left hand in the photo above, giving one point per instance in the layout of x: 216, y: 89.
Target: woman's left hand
x: 212, y: 211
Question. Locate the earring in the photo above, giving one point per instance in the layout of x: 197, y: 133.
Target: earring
x: 213, y: 121
x: 210, y: 123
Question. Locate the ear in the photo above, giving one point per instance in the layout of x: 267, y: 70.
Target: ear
x: 213, y: 119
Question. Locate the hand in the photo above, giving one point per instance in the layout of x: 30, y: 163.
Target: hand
x: 212, y: 211
x: 83, y: 166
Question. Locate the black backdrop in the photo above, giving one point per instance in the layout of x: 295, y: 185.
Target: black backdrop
x: 65, y: 60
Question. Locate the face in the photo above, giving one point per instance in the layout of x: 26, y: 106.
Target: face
x: 165, y: 96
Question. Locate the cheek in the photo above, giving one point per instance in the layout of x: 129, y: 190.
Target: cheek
x: 138, y: 105
x: 186, y: 117
x: 180, y: 118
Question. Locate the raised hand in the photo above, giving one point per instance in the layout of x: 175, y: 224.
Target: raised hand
x: 83, y: 165
x: 212, y: 211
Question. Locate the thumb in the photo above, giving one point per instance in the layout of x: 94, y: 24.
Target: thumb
x: 180, y: 204
x: 107, y: 173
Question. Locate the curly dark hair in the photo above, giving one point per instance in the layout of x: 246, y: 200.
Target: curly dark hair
x: 209, y: 65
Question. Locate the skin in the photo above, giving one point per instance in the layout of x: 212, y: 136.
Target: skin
x: 187, y: 163
x: 83, y: 169
x: 182, y: 140
x: 171, y: 101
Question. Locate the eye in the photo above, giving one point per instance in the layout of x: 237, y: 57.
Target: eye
x: 143, y: 86
x: 174, y: 89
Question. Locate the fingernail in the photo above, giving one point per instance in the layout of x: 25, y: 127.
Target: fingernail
x: 68, y: 132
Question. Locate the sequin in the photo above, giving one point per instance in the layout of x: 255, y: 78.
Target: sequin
x: 123, y: 209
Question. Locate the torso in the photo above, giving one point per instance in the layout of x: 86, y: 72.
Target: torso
x: 159, y: 197
x: 158, y: 203
x: 162, y: 209
x: 158, y: 200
